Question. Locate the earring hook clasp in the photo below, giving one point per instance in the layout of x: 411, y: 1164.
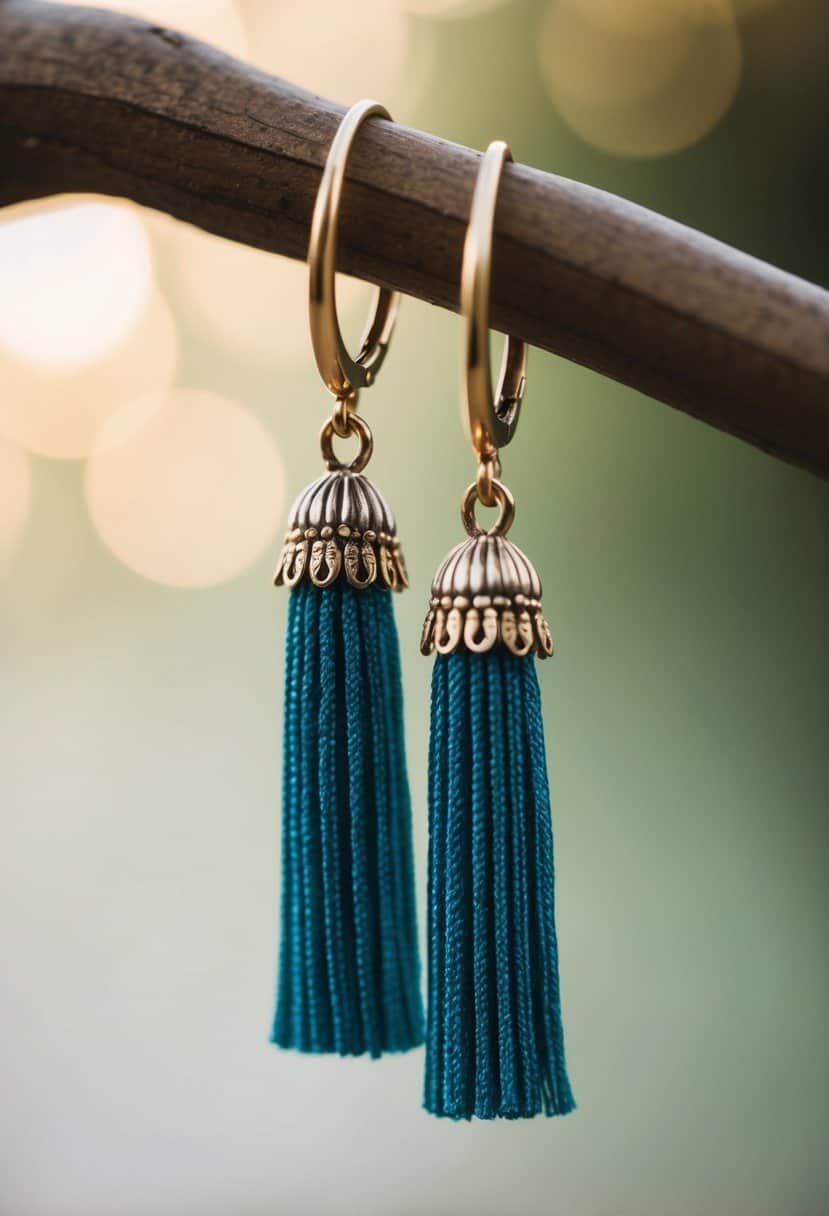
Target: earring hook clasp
x: 491, y: 418
x: 342, y: 374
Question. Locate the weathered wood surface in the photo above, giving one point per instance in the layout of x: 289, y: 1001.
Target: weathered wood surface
x: 95, y: 101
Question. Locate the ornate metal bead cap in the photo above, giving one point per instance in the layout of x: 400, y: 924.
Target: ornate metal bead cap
x: 486, y: 593
x: 342, y: 525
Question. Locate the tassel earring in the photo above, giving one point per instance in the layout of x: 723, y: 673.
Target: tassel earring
x: 349, y: 976
x: 494, y: 1042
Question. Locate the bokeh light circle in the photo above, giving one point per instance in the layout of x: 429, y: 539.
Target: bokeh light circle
x: 185, y: 489
x: 253, y: 302
x: 447, y: 10
x: 57, y: 413
x: 76, y: 279
x: 342, y: 49
x: 215, y: 21
x: 641, y: 78
x: 15, y: 499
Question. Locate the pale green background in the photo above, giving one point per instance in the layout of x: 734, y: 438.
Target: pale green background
x: 686, y: 581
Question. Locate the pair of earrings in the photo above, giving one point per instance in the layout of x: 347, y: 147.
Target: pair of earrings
x: 349, y: 974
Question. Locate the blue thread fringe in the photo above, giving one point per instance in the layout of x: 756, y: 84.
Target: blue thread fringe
x: 494, y: 1041
x: 349, y: 972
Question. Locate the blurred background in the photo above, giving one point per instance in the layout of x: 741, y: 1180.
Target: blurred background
x: 160, y: 408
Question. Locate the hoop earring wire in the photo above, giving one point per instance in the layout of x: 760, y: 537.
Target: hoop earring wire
x: 343, y: 375
x: 491, y: 418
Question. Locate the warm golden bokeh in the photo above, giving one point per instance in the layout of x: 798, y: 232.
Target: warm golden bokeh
x: 686, y: 579
x: 185, y: 488
x: 214, y: 21
x: 447, y: 9
x: 58, y: 413
x: 644, y: 18
x: 254, y: 303
x: 641, y: 78
x: 15, y: 499
x: 76, y: 280
x: 343, y: 51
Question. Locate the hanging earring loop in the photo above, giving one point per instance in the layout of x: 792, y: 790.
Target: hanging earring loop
x: 501, y: 498
x: 489, y: 470
x: 491, y: 418
x: 358, y: 427
x: 342, y: 374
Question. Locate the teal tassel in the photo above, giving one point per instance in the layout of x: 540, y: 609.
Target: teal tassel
x: 494, y: 1045
x: 348, y: 970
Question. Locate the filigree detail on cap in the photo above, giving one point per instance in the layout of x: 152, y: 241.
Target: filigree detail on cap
x: 485, y: 594
x: 341, y: 525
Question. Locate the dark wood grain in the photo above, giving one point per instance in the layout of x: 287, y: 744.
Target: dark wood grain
x: 94, y: 101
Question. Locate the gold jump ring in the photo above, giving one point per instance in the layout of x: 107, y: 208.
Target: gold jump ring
x: 342, y: 374
x: 344, y: 409
x: 489, y: 470
x: 506, y: 510
x: 356, y: 426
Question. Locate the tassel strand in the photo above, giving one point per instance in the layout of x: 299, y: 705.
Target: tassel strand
x: 495, y: 1044
x: 348, y: 970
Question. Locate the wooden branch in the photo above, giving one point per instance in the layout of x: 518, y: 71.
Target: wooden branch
x: 94, y: 101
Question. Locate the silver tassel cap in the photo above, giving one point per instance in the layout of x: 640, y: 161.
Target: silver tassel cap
x: 485, y: 594
x: 342, y: 525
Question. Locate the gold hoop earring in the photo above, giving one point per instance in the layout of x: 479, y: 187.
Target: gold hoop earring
x: 342, y: 375
x: 491, y: 418
x: 348, y: 963
x: 494, y: 1041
